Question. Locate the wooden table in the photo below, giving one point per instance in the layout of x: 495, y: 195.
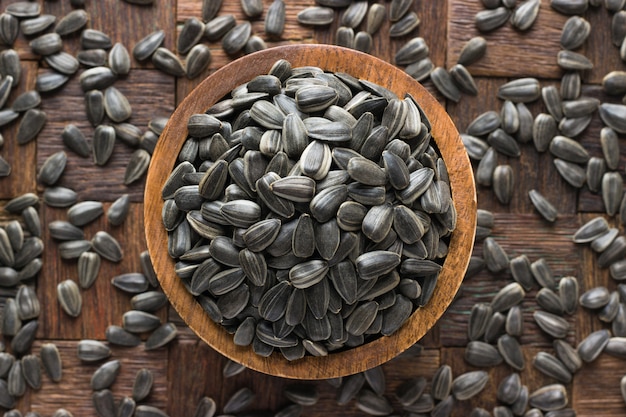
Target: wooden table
x: 187, y: 369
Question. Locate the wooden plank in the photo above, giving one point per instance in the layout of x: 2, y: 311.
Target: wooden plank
x: 20, y: 157
x: 74, y: 391
x: 509, y: 50
x: 517, y: 234
x: 596, y: 388
x: 150, y: 93
x: 103, y: 304
x: 123, y: 22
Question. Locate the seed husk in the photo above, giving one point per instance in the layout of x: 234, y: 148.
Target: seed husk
x: 543, y: 206
x: 9, y: 27
x: 552, y: 324
x: 275, y: 19
x: 490, y: 19
x: 105, y: 375
x: 522, y: 90
x: 161, y: 336
x: 525, y: 14
x: 469, y: 384
x: 136, y: 321
x: 472, y: 51
x: 495, y: 257
x: 190, y: 35
x: 23, y: 339
x: 482, y: 354
x: 235, y: 39
x: 552, y: 367
x: 404, y: 26
x: 30, y: 126
x: 71, y: 22
x: 107, y: 246
x: 31, y: 370
x: 166, y: 61
x: 198, y: 59
x: 445, y: 84
x: 146, y: 47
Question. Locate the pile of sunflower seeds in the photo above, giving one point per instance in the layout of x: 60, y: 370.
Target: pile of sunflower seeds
x: 309, y: 211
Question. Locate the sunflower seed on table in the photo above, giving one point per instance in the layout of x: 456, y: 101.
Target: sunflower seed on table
x: 190, y: 34
x: 614, y: 252
x: 107, y: 246
x: 572, y: 173
x: 91, y: 39
x: 105, y: 375
x: 148, y: 411
x: 71, y: 22
x: 469, y: 384
x: 62, y: 62
x: 509, y: 389
x: 148, y: 45
x: 490, y: 19
x: 601, y: 243
x: 445, y: 84
x: 482, y: 354
x: 33, y: 25
x: 11, y: 323
x: 46, y: 44
x: 235, y: 39
x: 9, y: 27
x: 28, y: 306
x: 23, y: 339
x: 15, y: 380
x: 525, y: 14
x: 198, y: 59
x: 612, y: 192
x: 552, y: 367
x: 84, y: 212
x: 75, y: 140
x: 31, y: 124
x: 104, y: 403
x: 10, y: 66
x: 166, y: 61
x: 610, y: 147
x: 593, y: 345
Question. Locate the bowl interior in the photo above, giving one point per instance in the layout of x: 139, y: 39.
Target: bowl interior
x: 335, y: 59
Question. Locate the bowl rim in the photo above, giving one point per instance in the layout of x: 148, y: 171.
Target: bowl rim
x: 335, y: 59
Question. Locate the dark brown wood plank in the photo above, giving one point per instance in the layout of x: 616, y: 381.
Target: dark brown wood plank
x: 150, y: 93
x: 599, y: 48
x: 103, y: 304
x: 74, y: 391
x: 21, y: 157
x: 596, y: 388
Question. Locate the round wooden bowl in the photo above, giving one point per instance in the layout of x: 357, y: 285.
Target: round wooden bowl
x: 334, y: 59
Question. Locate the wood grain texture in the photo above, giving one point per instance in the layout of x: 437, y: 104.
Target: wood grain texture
x: 150, y: 94
x: 596, y: 388
x: 21, y: 157
x: 510, y: 53
x: 361, y: 66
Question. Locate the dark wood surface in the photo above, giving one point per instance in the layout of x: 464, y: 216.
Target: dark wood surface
x: 188, y: 369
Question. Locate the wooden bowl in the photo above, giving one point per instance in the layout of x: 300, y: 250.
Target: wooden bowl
x: 335, y: 59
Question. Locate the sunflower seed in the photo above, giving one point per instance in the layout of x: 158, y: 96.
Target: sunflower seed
x: 136, y: 321
x: 105, y: 375
x: 107, y: 246
x: 404, y: 26
x: 509, y: 389
x: 28, y: 306
x: 95, y: 39
x: 615, y: 251
x: 104, y: 403
x: 591, y: 230
x: 84, y: 212
x: 30, y: 126
x: 10, y: 67
x: 479, y: 316
x: 149, y: 411
x: 488, y: 20
x: 469, y: 384
x: 11, y: 323
x: 593, y: 345
x: 572, y: 173
x: 161, y: 336
x: 495, y: 257
x: 575, y: 32
x: 166, y: 61
x: 130, y: 282
x: 62, y: 62
x: 235, y: 39
x: 23, y: 339
x: 52, y: 168
x: 74, y: 248
x: 148, y: 45
x: 15, y: 380
x: 615, y: 347
x: 522, y: 90
x: 198, y: 59
x: 71, y: 22
x: 481, y: 354
x: 543, y: 206
x: 46, y: 81
x: 31, y: 371
x: 552, y: 324
x: 8, y: 28
x: 47, y: 44
x: 190, y: 35
x: 239, y: 401
x: 525, y: 14
x: 552, y: 367
x: 92, y: 57
x: 612, y: 191
x: 375, y: 18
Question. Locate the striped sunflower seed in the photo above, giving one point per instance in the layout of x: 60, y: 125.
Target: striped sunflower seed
x: 509, y: 389
x: 490, y: 19
x: 166, y: 61
x: 15, y: 380
x: 481, y: 354
x: 23, y: 339
x: 543, y: 206
x: 235, y: 39
x: 9, y: 27
x: 198, y: 60
x: 88, y: 268
x: 552, y: 367
x: 31, y: 370
x: 142, y: 384
x: 275, y: 19
x: 105, y: 375
x: 92, y: 350
x: 614, y: 252
x: 30, y: 126
x: 552, y: 324
x: 522, y: 90
x: 525, y: 14
x: 46, y: 44
x: 445, y: 84
x: 575, y: 32
x: 469, y: 384
x: 511, y: 352
x: 190, y: 35
x: 72, y: 22
x: 94, y: 39
x: 472, y: 51
x: 161, y: 336
x: 107, y: 246
x: 496, y: 258
x: 52, y: 168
